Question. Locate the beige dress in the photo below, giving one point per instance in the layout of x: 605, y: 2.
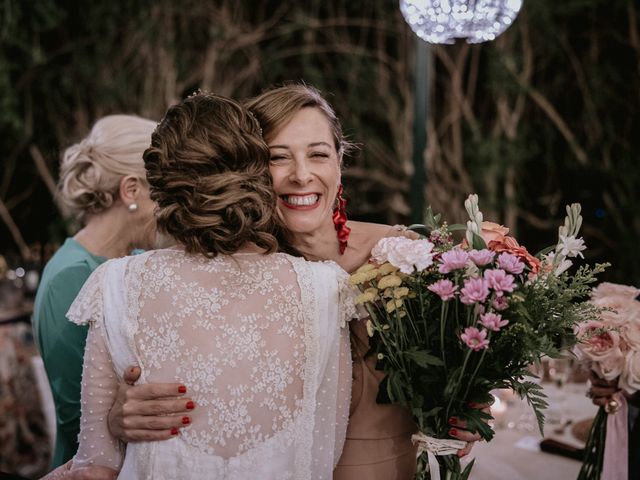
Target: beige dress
x: 378, y: 444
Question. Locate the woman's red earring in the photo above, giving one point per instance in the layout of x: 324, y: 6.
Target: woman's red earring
x: 340, y: 220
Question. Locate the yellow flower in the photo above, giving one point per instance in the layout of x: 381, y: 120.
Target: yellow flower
x: 401, y: 292
x: 369, y: 328
x: 373, y: 290
x: 402, y: 313
x: 393, y: 304
x: 365, y: 268
x: 357, y: 278
x: 389, y: 281
x: 372, y: 274
x: 386, y: 327
x: 380, y: 356
x: 365, y: 297
x: 388, y: 293
x: 387, y: 268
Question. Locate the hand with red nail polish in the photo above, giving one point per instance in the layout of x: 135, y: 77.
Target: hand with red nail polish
x: 148, y: 412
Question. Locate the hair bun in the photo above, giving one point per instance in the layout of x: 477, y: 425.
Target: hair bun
x: 91, y: 170
x: 208, y: 169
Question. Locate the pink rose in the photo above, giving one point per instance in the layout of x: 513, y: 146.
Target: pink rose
x: 602, y: 347
x: 630, y: 378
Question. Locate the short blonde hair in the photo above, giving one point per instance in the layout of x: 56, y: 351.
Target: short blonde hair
x: 91, y: 170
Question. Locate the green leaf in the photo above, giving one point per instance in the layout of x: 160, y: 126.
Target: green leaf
x: 478, y: 242
x: 424, y: 359
x: 455, y: 227
x: 544, y: 251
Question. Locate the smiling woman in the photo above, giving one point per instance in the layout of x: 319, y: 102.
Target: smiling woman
x: 306, y: 148
x: 305, y: 167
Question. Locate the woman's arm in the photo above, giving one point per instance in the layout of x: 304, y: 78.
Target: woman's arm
x: 97, y: 446
x: 150, y: 412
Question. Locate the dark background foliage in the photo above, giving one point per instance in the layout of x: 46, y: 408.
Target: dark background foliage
x: 545, y: 115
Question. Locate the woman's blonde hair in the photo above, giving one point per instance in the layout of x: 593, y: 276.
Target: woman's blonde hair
x: 91, y: 170
x: 208, y: 172
x: 275, y: 107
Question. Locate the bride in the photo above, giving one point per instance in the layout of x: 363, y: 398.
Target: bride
x: 252, y: 333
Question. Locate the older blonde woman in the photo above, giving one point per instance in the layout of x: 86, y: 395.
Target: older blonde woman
x: 102, y: 180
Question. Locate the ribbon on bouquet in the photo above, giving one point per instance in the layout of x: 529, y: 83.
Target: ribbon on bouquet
x: 433, y: 447
x: 616, y: 444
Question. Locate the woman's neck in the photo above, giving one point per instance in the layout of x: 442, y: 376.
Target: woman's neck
x: 321, y: 244
x: 105, y: 236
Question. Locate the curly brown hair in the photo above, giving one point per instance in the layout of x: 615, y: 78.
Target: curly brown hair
x: 208, y: 172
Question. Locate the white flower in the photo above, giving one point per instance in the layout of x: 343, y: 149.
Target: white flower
x: 570, y: 246
x: 408, y: 254
x: 562, y: 267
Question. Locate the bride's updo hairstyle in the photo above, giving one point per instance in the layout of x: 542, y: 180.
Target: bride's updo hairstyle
x: 91, y: 170
x: 208, y: 172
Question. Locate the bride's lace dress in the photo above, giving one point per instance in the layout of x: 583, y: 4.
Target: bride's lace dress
x: 260, y: 343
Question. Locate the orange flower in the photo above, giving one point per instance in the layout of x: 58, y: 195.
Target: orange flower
x: 490, y: 231
x: 511, y: 245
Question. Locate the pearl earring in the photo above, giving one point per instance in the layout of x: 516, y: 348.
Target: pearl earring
x: 133, y: 207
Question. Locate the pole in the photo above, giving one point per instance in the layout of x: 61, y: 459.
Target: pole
x: 420, y: 115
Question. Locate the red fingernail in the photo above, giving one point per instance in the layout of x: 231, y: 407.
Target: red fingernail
x: 186, y: 420
x: 174, y: 431
x: 190, y: 405
x: 472, y: 404
x: 182, y: 389
x: 453, y: 420
x: 453, y: 432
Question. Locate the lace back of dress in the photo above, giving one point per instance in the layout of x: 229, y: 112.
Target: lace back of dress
x: 232, y: 330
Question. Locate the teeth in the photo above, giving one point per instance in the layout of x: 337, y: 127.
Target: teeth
x: 300, y: 199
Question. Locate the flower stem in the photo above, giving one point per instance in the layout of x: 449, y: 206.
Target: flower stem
x: 443, y: 316
x: 459, y: 379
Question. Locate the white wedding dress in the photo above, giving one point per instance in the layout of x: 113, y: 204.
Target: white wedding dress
x: 259, y: 341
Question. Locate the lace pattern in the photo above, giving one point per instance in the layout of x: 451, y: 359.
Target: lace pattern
x: 257, y: 341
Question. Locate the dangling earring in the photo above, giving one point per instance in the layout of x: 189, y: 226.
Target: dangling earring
x: 340, y: 220
x: 133, y: 207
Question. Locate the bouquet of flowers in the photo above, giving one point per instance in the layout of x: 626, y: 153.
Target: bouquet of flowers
x: 610, y: 346
x: 451, y: 322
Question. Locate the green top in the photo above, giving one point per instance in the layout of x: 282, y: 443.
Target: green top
x: 61, y: 342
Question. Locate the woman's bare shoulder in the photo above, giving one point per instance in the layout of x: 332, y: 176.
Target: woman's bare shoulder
x: 373, y: 232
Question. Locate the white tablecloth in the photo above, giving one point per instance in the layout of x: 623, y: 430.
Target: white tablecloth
x: 514, y: 453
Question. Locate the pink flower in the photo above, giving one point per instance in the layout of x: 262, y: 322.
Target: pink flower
x: 475, y: 290
x: 602, y: 346
x: 474, y: 338
x: 454, y: 259
x: 493, y: 321
x: 481, y: 257
x: 500, y: 303
x: 445, y: 289
x: 499, y: 281
x: 510, y: 263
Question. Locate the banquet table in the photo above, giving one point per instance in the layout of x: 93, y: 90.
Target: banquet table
x: 514, y: 453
